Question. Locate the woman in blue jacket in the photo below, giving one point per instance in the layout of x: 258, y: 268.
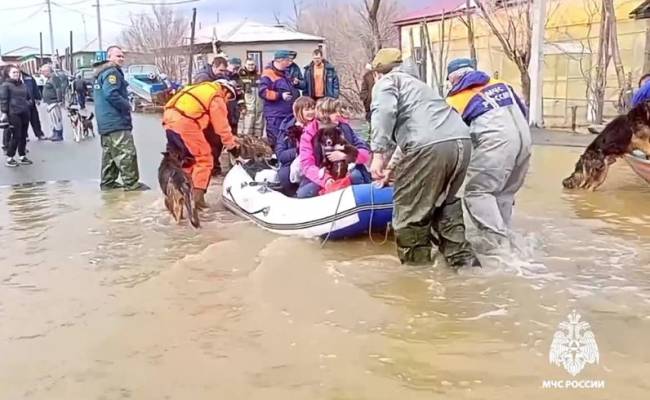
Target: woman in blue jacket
x: 286, y: 148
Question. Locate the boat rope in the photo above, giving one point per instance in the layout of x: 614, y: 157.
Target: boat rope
x: 372, y: 214
x: 336, y: 212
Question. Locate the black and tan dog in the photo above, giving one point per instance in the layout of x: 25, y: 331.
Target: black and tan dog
x: 331, y: 138
x: 82, y: 125
x: 177, y: 187
x: 620, y: 136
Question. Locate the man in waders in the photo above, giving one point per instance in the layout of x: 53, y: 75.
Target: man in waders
x: 435, y: 148
x: 502, y: 147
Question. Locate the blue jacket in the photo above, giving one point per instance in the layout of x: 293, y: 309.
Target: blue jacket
x: 331, y: 81
x: 273, y: 83
x: 467, y: 96
x: 642, y: 95
x: 285, y: 149
x: 31, y: 86
x: 295, y: 72
x: 112, y: 107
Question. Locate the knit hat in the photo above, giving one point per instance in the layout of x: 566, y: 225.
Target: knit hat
x: 284, y: 54
x: 235, y: 61
x: 455, y: 65
x: 386, y: 57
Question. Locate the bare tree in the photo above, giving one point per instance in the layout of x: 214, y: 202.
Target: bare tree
x: 372, y: 9
x: 162, y: 31
x: 468, y: 21
x: 608, y: 6
x: 510, y: 23
x: 438, y: 54
x: 350, y: 38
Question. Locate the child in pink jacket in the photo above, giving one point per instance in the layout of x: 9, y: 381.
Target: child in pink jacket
x: 311, y: 153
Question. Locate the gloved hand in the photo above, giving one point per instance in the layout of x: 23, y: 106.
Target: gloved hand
x: 286, y: 96
x: 235, y: 151
x: 4, y: 121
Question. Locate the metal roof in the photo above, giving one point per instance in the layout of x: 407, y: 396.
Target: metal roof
x: 432, y: 12
x: 248, y: 31
x: 22, y: 51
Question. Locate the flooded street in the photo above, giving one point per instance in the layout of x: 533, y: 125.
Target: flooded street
x: 103, y: 297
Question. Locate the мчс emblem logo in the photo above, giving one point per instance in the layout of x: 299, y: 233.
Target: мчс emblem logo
x: 574, y: 345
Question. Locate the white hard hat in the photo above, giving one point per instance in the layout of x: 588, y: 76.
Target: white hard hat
x: 229, y: 86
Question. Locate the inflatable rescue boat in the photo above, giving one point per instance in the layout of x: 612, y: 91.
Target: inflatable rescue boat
x: 352, y: 211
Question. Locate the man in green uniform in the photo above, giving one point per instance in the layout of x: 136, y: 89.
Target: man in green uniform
x: 435, y: 149
x: 113, y: 113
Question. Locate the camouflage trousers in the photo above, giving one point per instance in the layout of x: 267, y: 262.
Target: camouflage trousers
x: 252, y: 122
x: 425, y: 203
x: 119, y: 158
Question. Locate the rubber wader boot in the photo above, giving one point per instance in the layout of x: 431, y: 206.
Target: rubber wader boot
x: 199, y: 198
x: 414, y: 246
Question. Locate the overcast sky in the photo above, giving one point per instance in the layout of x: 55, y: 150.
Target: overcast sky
x: 21, y: 21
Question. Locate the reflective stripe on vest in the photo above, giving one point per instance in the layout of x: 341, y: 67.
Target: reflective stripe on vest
x: 193, y: 102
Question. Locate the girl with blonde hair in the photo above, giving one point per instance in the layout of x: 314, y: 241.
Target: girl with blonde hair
x: 328, y: 114
x: 286, y: 148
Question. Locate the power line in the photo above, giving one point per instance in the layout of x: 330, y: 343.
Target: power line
x: 22, y: 7
x: 74, y: 3
x: 13, y: 23
x: 166, y: 3
x: 89, y: 15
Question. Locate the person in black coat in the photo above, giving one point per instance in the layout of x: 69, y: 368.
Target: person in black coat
x: 15, y: 108
x: 81, y: 90
x: 35, y: 93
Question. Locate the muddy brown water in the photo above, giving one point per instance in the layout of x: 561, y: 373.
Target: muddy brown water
x: 103, y: 297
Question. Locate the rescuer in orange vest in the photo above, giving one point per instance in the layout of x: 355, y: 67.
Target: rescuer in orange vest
x: 193, y: 118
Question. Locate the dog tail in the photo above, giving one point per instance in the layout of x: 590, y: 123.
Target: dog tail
x: 192, y: 212
x: 90, y: 117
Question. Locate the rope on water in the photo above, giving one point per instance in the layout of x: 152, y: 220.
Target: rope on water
x: 372, y: 214
x: 322, y: 245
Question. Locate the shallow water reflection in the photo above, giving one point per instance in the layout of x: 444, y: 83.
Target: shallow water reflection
x: 103, y: 296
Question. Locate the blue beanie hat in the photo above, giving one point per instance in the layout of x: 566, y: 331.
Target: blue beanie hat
x: 283, y: 54
x: 235, y: 61
x: 455, y: 65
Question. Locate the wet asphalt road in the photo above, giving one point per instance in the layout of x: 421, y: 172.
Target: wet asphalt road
x: 68, y: 160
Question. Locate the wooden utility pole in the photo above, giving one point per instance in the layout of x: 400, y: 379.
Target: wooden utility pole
x: 191, y: 61
x: 71, y: 65
x: 99, y: 27
x: 40, y: 61
x: 49, y: 15
x: 536, y: 62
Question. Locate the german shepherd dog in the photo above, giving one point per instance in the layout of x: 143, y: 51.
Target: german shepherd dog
x: 623, y: 134
x: 82, y: 125
x: 254, y: 148
x: 177, y: 187
x: 331, y: 138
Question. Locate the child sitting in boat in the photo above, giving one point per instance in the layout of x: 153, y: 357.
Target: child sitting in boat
x: 286, y: 148
x: 328, y: 113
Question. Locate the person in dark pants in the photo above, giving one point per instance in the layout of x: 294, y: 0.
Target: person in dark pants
x: 278, y: 93
x: 15, y: 103
x: 81, y: 91
x: 35, y: 93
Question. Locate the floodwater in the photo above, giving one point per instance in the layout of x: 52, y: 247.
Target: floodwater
x: 103, y: 297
